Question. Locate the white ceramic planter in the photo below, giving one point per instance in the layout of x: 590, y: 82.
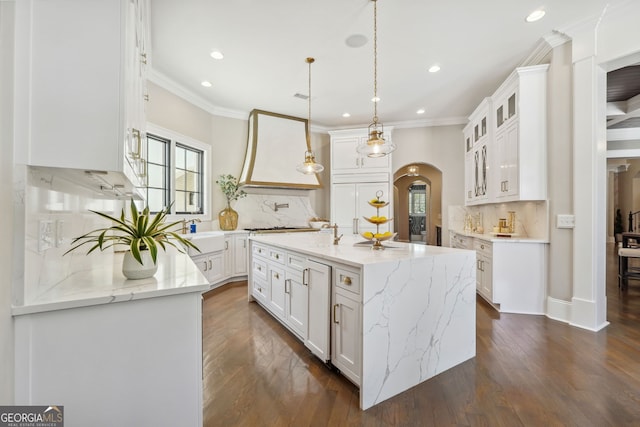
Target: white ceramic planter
x: 132, y: 269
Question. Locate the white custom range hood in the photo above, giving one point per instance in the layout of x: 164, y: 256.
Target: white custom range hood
x: 277, y: 143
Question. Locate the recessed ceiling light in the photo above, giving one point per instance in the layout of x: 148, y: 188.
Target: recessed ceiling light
x: 346, y: 115
x: 420, y: 111
x: 535, y: 15
x: 356, y: 40
x: 216, y: 54
x: 434, y: 69
x: 206, y: 83
x: 375, y: 99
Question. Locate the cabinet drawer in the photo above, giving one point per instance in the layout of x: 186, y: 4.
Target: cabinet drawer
x: 347, y: 279
x: 259, y: 250
x: 276, y: 255
x: 260, y: 289
x: 483, y: 247
x: 259, y: 268
x: 295, y: 261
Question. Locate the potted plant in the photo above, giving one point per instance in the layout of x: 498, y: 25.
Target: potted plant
x: 228, y: 218
x: 141, y: 234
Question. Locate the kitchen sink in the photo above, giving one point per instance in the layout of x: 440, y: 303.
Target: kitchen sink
x: 206, y: 241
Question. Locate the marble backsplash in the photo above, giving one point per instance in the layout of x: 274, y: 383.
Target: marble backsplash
x: 532, y: 217
x: 259, y: 211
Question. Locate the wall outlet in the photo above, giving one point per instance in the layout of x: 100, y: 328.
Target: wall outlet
x: 565, y: 221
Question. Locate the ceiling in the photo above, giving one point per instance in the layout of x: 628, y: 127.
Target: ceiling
x: 265, y: 43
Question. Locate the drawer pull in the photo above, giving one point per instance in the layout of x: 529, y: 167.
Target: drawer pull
x: 346, y: 280
x: 276, y: 275
x: 277, y: 256
x: 259, y: 268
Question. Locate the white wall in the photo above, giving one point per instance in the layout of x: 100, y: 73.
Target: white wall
x: 560, y: 170
x: 442, y: 147
x: 6, y: 208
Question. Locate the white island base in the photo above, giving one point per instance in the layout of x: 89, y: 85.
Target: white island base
x: 396, y: 318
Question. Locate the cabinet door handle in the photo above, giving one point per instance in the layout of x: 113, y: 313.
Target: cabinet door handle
x: 304, y: 277
x: 276, y: 275
x: 143, y: 58
x: 136, y: 134
x: 209, y: 264
x: 285, y: 286
x: 335, y: 317
x: 226, y: 246
x: 205, y: 266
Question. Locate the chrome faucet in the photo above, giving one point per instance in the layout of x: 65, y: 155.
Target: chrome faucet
x: 336, y: 238
x: 277, y: 206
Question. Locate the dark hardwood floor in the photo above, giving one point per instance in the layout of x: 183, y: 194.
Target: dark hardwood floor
x: 528, y: 371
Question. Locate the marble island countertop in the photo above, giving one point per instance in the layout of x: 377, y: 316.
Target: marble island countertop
x: 495, y: 239
x: 104, y: 283
x: 352, y: 249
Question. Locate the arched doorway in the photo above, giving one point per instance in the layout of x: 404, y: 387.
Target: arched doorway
x: 418, y: 203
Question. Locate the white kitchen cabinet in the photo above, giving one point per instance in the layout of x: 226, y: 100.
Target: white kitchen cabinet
x: 507, y: 161
x: 520, y: 117
x: 235, y: 254
x: 296, y: 302
x: 477, y: 135
x: 346, y: 342
x: 350, y: 204
x: 277, y: 298
x: 484, y: 268
x: 355, y: 181
x: 80, y: 85
x: 317, y: 277
x: 240, y: 250
x: 345, y: 158
x: 513, y: 165
x: 211, y: 265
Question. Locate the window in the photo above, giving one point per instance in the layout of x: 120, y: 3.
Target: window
x: 177, y: 172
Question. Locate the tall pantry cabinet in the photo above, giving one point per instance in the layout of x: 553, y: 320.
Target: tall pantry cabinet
x: 81, y: 85
x: 355, y: 179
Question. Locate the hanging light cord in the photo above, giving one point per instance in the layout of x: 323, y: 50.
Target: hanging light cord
x: 309, y: 61
x: 375, y: 61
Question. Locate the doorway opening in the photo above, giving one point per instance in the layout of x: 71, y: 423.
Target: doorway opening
x: 418, y: 204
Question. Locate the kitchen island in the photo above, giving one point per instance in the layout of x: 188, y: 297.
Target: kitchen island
x: 387, y: 319
x: 114, y: 351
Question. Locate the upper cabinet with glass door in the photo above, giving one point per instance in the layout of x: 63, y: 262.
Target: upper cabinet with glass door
x: 81, y: 91
x: 520, y: 117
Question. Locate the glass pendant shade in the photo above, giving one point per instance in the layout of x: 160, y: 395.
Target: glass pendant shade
x: 309, y: 166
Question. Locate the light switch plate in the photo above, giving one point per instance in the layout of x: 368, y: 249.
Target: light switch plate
x: 565, y: 221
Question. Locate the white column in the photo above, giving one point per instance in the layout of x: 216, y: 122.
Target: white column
x: 588, y: 304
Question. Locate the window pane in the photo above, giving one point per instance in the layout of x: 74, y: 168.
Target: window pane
x: 155, y: 199
x: 181, y: 203
x: 192, y: 182
x: 157, y: 178
x: 156, y: 152
x: 180, y: 157
x: 180, y: 180
x: 193, y: 161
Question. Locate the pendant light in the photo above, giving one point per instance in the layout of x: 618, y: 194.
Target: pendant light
x: 309, y: 166
x: 375, y: 146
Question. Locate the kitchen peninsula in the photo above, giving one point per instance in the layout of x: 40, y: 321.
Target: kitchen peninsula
x: 387, y: 319
x: 114, y: 351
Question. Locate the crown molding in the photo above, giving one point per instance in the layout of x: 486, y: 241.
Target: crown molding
x: 543, y: 47
x: 177, y: 89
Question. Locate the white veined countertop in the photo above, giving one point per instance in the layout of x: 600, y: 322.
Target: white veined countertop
x: 104, y: 283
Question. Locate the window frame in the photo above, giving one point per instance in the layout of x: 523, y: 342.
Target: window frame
x: 173, y: 138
